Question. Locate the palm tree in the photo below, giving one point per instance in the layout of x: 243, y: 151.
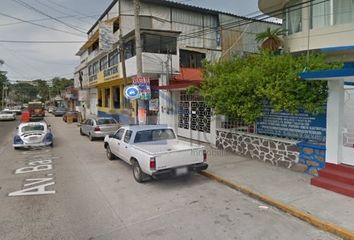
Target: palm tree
x: 271, y: 39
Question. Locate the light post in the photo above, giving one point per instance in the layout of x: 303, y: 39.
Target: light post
x: 4, y: 89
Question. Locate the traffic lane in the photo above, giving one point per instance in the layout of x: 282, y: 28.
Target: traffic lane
x: 6, y: 129
x: 103, y: 201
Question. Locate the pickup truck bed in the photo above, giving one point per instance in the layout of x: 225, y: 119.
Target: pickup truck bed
x: 160, y: 154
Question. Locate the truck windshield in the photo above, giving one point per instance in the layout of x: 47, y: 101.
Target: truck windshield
x: 154, y: 135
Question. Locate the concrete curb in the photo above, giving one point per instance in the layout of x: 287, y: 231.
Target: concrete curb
x: 307, y: 217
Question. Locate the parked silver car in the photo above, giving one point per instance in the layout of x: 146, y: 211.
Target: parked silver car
x: 99, y: 128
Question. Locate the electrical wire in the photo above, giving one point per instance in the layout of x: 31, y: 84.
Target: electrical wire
x: 20, y: 2
x: 59, y: 11
x: 39, y: 25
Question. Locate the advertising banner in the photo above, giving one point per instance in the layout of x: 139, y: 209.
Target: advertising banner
x: 302, y: 126
x: 106, y: 36
x: 83, y: 95
x: 143, y: 83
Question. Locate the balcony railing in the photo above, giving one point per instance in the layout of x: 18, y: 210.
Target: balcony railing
x: 93, y: 78
x: 111, y: 71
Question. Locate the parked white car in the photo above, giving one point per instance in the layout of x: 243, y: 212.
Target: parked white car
x: 33, y: 134
x: 154, y: 151
x: 7, y: 116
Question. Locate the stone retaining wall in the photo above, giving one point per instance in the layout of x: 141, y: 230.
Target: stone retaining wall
x: 277, y: 151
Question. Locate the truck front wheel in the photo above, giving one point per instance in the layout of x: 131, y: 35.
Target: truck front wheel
x: 109, y: 153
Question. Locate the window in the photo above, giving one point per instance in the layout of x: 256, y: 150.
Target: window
x: 159, y: 44
x: 127, y: 136
x: 113, y: 58
x: 119, y: 134
x: 90, y: 70
x: 189, y: 59
x: 104, y: 121
x: 343, y: 11
x: 103, y: 63
x: 320, y: 13
x: 94, y: 46
x: 154, y: 135
x: 116, y: 26
x: 116, y: 97
x: 293, y: 21
x: 129, y: 49
x: 95, y: 67
x: 29, y: 128
x: 107, y: 94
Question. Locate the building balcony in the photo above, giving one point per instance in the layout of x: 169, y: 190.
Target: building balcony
x: 153, y: 64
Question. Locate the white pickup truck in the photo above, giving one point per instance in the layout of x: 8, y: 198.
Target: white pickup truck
x: 154, y: 151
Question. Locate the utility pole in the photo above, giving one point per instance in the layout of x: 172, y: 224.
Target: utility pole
x: 139, y: 64
x: 124, y: 70
x: 138, y: 48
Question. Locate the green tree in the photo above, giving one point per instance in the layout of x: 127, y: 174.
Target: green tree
x: 240, y: 87
x: 59, y: 84
x: 43, y: 89
x: 271, y: 39
x: 23, y: 92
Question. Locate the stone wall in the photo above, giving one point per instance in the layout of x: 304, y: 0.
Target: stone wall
x: 312, y: 156
x: 277, y: 151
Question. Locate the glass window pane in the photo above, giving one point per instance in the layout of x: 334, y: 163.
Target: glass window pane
x: 294, y: 17
x: 151, y: 43
x: 320, y: 13
x: 343, y: 11
x: 168, y: 45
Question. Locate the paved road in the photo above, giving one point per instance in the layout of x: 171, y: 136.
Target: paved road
x: 85, y: 196
x: 7, y: 128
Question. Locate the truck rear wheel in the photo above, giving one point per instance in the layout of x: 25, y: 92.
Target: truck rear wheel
x: 138, y: 174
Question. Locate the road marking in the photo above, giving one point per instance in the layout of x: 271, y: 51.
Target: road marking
x: 34, y: 169
x: 37, y: 190
x: 36, y: 186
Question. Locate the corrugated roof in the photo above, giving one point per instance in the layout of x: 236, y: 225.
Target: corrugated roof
x: 177, y: 5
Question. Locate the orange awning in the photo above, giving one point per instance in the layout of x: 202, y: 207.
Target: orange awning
x: 190, y: 74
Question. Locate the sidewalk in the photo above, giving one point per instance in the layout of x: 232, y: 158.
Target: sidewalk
x: 284, y: 185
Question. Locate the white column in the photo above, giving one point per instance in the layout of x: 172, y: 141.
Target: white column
x: 335, y: 107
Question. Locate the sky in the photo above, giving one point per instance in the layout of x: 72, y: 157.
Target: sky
x: 28, y: 61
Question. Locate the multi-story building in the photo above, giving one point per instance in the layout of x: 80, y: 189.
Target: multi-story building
x: 175, y: 39
x: 326, y: 26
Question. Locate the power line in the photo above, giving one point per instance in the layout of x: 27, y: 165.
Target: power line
x: 40, y: 42
x: 70, y: 9
x: 59, y: 11
x: 45, y: 19
x: 38, y: 25
x: 47, y: 15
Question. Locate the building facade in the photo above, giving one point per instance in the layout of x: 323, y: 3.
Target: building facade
x: 328, y: 27
x: 176, y: 38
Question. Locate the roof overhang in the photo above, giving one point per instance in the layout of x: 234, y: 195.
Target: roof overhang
x: 167, y: 33
x: 176, y: 86
x: 94, y: 38
x: 346, y: 74
x: 272, y: 8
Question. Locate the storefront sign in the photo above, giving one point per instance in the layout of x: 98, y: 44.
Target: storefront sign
x: 143, y: 83
x: 154, y: 104
x: 132, y: 92
x: 83, y: 95
x: 300, y: 126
